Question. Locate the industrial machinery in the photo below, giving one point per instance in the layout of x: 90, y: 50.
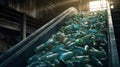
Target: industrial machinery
x: 71, y: 39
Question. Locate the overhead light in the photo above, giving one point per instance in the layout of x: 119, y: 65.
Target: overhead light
x: 111, y: 6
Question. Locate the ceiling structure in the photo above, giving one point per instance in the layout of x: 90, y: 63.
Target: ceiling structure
x: 45, y: 10
x: 40, y: 9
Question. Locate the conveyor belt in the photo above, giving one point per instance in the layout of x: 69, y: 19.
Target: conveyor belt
x: 34, y: 38
x: 28, y: 45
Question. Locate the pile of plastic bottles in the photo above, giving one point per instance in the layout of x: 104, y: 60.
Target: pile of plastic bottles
x: 82, y: 42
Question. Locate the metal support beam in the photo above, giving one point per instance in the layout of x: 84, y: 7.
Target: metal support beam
x: 23, y: 27
x: 14, y: 26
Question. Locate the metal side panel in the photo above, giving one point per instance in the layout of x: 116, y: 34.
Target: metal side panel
x: 112, y: 42
x: 18, y: 55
